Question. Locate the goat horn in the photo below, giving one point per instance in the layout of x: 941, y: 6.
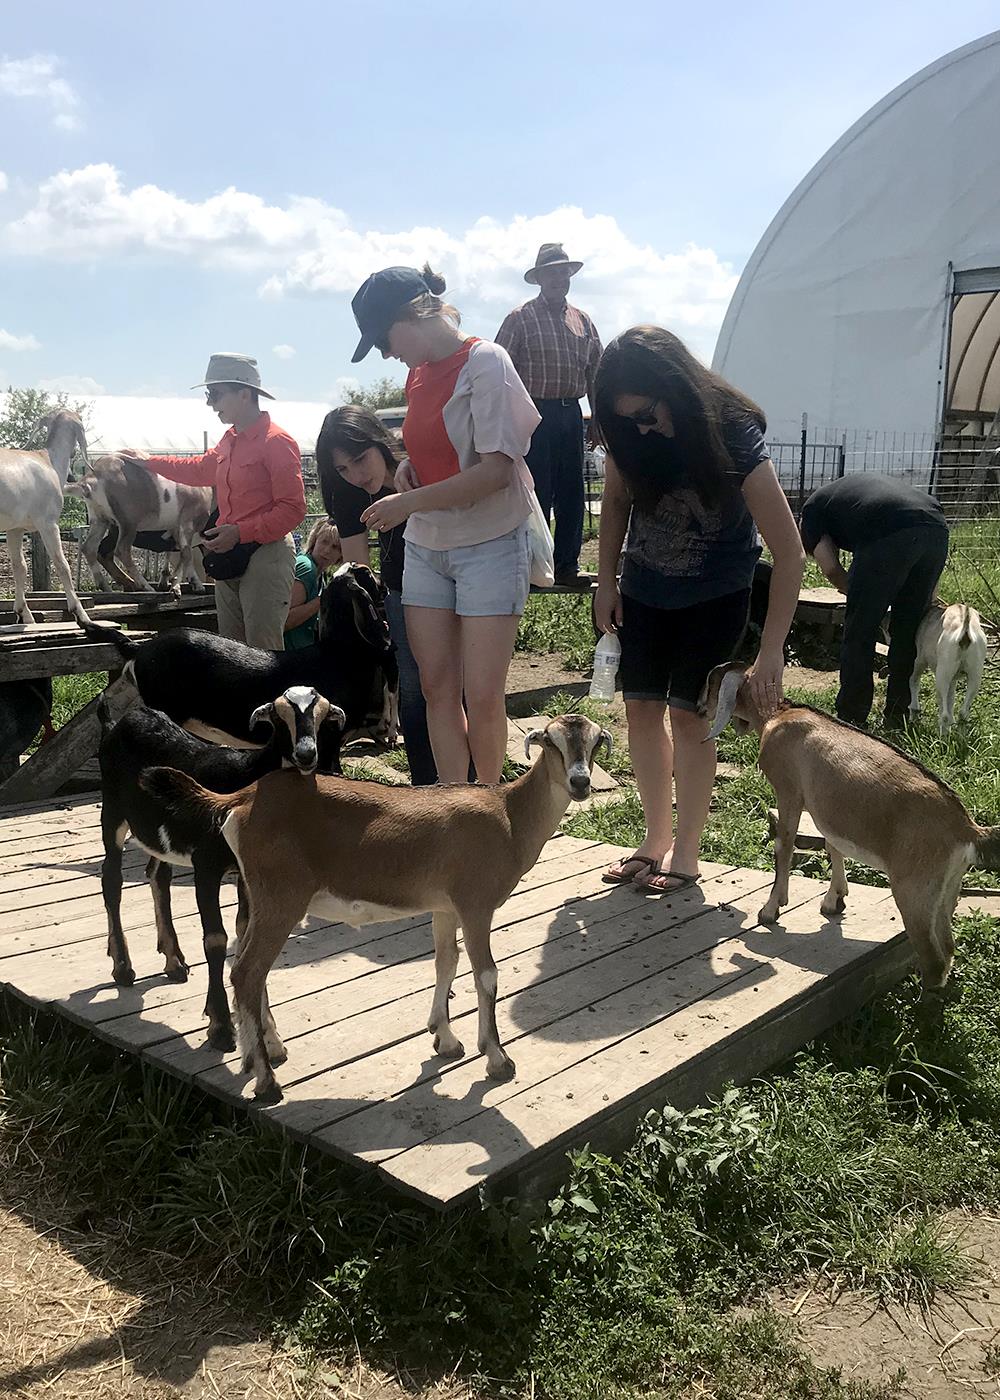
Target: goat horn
x: 726, y: 704
x: 537, y: 736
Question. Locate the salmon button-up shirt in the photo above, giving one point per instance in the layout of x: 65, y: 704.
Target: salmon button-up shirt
x: 257, y: 475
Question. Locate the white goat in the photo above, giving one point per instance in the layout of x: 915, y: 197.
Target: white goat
x: 950, y: 640
x: 362, y: 853
x: 121, y: 493
x: 872, y: 804
x: 31, y: 498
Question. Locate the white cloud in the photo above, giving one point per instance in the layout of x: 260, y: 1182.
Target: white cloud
x: 9, y: 341
x: 70, y: 384
x: 342, y: 386
x: 307, y: 248
x: 38, y: 77
x: 283, y: 352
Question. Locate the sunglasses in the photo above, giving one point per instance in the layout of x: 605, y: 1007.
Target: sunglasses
x: 645, y: 418
x: 215, y: 394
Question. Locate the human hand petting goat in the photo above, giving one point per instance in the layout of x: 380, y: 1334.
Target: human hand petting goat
x: 765, y: 680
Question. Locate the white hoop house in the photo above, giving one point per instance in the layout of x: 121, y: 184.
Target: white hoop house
x: 873, y: 299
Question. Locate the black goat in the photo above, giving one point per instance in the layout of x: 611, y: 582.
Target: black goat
x: 212, y: 685
x: 304, y: 734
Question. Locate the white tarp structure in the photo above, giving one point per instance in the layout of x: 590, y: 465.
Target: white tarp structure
x: 844, y: 311
x: 181, y: 425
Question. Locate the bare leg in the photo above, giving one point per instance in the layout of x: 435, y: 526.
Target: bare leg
x: 487, y: 646
x: 694, y: 778
x: 435, y: 639
x: 652, y: 756
x: 445, y: 964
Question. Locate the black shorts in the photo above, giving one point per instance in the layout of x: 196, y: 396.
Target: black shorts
x: 668, y: 652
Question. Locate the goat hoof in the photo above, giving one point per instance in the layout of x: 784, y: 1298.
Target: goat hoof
x: 124, y: 976
x: 177, y: 973
x: 276, y: 1052
x: 451, y: 1052
x: 767, y: 916
x: 270, y: 1094
x: 222, y: 1038
x: 502, y: 1072
x: 830, y: 911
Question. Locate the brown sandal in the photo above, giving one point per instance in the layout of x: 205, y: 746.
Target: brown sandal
x: 681, y: 882
x: 621, y: 878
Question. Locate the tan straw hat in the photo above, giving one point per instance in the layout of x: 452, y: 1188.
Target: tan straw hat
x: 551, y: 255
x: 233, y: 369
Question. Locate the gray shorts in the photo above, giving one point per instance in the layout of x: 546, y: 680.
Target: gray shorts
x: 478, y: 580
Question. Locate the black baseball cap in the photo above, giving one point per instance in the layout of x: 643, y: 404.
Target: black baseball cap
x: 377, y: 302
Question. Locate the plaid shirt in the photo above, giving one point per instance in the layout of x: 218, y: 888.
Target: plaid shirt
x: 555, y: 351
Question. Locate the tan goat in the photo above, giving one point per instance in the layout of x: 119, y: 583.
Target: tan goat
x: 873, y: 804
x: 362, y: 852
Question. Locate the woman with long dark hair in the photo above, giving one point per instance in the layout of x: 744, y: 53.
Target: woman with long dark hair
x: 689, y: 477
x: 357, y: 458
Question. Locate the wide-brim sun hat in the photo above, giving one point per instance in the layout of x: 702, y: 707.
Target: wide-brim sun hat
x: 233, y: 369
x: 378, y: 301
x: 551, y: 255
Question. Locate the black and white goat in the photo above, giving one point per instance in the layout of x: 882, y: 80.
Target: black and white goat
x: 212, y: 685
x: 304, y: 734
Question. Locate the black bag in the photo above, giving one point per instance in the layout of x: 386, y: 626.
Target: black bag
x: 233, y: 563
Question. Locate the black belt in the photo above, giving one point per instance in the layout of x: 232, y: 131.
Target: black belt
x: 566, y: 403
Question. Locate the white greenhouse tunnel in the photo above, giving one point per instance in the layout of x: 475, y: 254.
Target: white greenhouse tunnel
x: 873, y: 299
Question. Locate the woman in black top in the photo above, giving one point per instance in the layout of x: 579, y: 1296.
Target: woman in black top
x: 689, y: 477
x: 357, y: 459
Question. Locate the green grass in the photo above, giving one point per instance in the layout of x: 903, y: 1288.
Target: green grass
x: 560, y: 624
x: 643, y: 1277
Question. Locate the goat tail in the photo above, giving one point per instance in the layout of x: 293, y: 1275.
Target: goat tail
x: 965, y: 636
x: 98, y: 632
x: 181, y: 794
x: 988, y: 848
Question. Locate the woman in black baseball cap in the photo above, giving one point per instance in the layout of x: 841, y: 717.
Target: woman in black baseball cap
x: 465, y: 495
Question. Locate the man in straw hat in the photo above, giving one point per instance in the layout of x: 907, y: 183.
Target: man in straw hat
x: 555, y: 349
x: 257, y: 474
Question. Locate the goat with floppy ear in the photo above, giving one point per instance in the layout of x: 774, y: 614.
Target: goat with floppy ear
x: 360, y: 852
x: 873, y: 804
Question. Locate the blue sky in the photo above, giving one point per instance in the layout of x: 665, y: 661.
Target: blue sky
x: 185, y: 178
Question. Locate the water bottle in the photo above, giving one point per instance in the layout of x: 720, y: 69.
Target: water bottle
x: 607, y: 654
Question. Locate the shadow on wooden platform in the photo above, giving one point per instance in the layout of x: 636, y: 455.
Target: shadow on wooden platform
x: 610, y: 1003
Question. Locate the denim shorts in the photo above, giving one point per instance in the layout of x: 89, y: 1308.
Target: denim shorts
x: 478, y: 580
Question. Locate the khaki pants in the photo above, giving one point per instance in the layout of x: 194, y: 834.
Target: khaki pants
x: 253, y: 608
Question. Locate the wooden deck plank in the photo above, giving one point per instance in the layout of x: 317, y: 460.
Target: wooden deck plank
x: 558, y: 1023
x: 737, y: 998
x: 405, y: 947
x: 79, y: 962
x: 609, y: 1002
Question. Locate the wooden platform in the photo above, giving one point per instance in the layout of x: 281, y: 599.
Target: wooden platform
x: 611, y: 1003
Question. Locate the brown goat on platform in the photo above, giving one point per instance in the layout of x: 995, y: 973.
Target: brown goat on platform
x: 362, y: 853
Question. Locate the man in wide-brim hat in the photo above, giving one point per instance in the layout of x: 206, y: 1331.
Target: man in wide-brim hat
x: 256, y: 471
x: 555, y: 348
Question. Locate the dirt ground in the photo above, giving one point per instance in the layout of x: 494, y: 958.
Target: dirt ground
x: 949, y: 1351
x: 83, y: 1316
